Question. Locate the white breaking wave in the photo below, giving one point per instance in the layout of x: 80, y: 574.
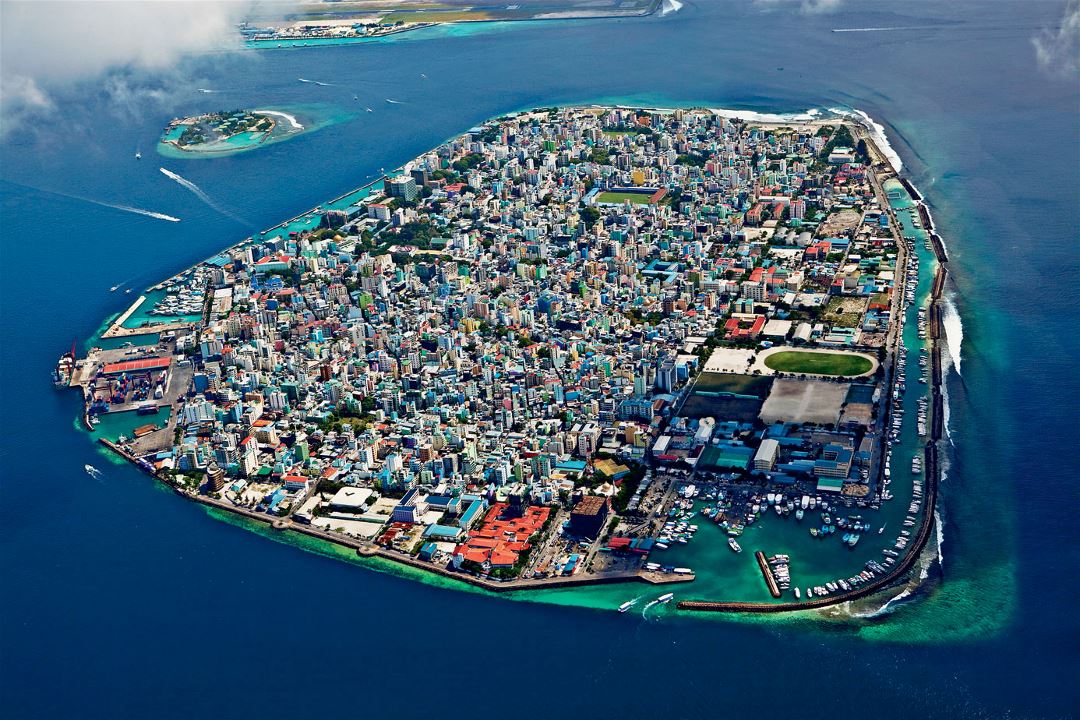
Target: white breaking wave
x: 292, y: 120
x: 954, y: 330
x: 752, y: 116
x: 201, y: 194
x: 939, y: 529
x: 877, y: 132
x: 946, y: 409
x: 670, y: 6
x: 314, y: 82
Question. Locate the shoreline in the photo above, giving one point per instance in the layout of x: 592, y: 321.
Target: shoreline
x: 873, y: 587
x: 275, y: 43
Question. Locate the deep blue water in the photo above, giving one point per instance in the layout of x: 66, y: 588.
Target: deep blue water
x: 119, y: 600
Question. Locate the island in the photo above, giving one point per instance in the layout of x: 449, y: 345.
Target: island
x: 572, y: 346
x: 226, y: 132
x: 328, y: 23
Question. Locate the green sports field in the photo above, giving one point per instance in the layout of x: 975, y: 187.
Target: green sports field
x: 618, y: 198
x: 819, y: 363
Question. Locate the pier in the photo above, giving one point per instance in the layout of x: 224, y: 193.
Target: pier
x: 117, y: 329
x: 767, y: 572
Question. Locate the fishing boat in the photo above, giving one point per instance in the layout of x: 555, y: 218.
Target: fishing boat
x: 734, y: 545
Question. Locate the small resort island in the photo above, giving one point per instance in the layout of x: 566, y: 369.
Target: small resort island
x: 572, y: 346
x: 226, y: 132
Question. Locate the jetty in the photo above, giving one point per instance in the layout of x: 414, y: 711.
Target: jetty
x: 767, y: 573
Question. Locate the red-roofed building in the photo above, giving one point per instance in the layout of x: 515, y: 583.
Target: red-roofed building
x: 500, y: 540
x: 137, y: 366
x: 744, y: 328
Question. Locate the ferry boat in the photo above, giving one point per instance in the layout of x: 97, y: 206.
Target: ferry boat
x: 734, y: 545
x: 665, y: 598
x: 65, y: 367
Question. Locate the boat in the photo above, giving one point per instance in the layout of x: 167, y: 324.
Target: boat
x: 92, y: 471
x: 665, y: 598
x: 734, y: 545
x: 627, y: 605
x: 797, y: 594
x: 65, y: 368
x: 799, y: 514
x: 138, y: 155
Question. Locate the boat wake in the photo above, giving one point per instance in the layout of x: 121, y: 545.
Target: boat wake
x: 101, y: 203
x: 645, y: 610
x: 92, y: 471
x: 201, y: 194
x: 314, y: 82
x: 886, y: 28
x: 395, y: 102
x: 128, y: 208
x: 207, y: 90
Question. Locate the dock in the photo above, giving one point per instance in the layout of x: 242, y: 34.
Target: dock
x: 767, y: 572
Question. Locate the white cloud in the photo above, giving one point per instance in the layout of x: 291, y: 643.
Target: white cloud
x: 1058, y: 50
x: 131, y: 49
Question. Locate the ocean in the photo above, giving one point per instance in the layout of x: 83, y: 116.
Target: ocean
x: 121, y: 600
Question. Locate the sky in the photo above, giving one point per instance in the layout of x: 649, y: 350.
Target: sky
x: 132, y: 49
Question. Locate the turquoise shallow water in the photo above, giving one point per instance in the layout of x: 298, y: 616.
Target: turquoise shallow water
x: 311, y: 116
x: 114, y: 585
